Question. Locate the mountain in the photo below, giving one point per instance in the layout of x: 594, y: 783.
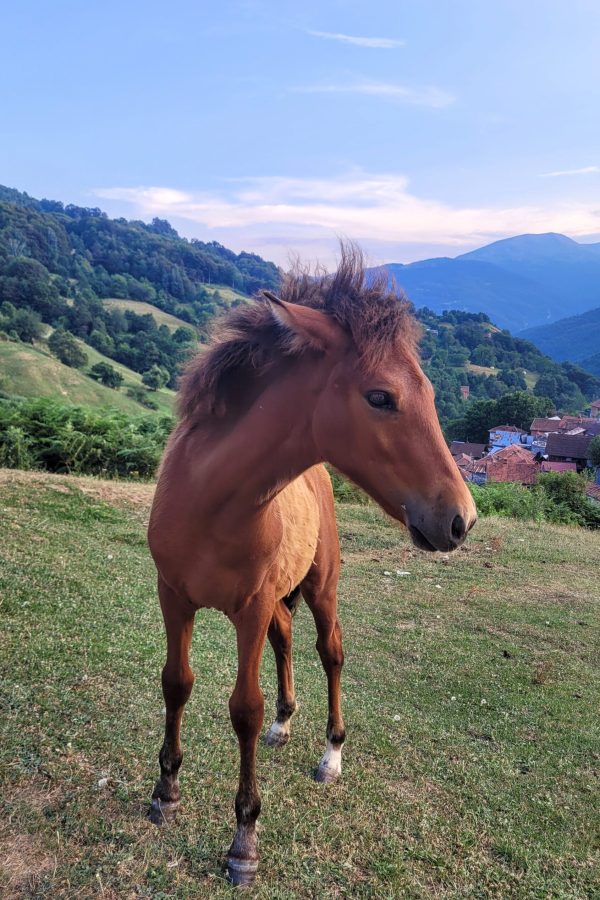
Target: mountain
x: 520, y: 282
x: 576, y: 338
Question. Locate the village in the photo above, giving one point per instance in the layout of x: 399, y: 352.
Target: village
x: 554, y: 444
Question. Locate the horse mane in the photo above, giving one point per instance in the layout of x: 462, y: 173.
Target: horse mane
x: 250, y: 338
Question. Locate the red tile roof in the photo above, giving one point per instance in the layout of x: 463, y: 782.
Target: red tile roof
x: 545, y: 425
x: 513, y: 463
x: 593, y: 491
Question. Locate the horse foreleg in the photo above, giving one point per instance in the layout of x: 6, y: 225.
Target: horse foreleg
x: 280, y: 637
x: 323, y: 605
x: 177, y: 682
x: 246, y: 708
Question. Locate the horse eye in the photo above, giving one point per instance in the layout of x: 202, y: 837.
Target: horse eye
x: 380, y: 400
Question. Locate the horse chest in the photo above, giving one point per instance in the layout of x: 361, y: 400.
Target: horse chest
x: 298, y: 510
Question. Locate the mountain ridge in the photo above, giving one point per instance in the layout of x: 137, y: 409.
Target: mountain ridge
x: 521, y: 282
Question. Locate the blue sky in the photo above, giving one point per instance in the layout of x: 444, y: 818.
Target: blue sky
x: 417, y: 128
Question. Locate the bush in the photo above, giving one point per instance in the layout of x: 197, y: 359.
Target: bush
x: 44, y: 434
x: 558, y: 497
x: 142, y: 396
x: 64, y: 346
x: 107, y: 375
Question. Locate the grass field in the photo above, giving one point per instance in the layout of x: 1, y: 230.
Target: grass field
x: 142, y: 309
x: 471, y: 698
x: 32, y: 371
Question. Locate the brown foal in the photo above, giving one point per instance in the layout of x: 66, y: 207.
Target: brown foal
x: 243, y: 519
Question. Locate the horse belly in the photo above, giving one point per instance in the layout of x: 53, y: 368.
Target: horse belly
x: 299, y: 513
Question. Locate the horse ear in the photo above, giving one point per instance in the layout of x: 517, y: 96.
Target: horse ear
x: 310, y: 325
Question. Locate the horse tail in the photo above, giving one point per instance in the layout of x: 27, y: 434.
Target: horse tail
x: 292, y: 601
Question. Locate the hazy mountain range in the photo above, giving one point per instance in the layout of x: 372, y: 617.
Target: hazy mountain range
x: 520, y: 282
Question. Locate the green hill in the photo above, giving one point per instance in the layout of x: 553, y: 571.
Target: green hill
x: 576, y: 338
x: 32, y: 371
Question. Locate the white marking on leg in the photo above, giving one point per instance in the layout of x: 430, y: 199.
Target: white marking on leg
x: 280, y: 729
x: 332, y: 760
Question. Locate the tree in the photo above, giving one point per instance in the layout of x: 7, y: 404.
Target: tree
x: 155, y: 378
x: 107, y: 375
x: 594, y: 450
x: 64, y: 346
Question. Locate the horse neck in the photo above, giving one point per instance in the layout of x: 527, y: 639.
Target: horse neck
x: 271, y: 443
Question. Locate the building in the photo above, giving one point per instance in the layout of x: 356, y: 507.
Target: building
x: 513, y: 463
x: 548, y: 466
x: 505, y: 435
x: 543, y: 425
x: 475, y: 451
x: 595, y: 409
x: 464, y: 391
x: 592, y: 492
x: 571, y: 448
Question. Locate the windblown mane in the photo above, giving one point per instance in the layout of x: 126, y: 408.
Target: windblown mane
x: 249, y: 337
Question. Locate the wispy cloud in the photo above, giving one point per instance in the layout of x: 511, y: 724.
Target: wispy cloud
x: 379, y: 43
x: 276, y: 215
x: 586, y: 170
x: 420, y: 96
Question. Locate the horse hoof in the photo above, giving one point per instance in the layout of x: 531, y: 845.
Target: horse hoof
x: 162, y: 812
x: 324, y: 775
x: 276, y: 738
x: 241, y: 872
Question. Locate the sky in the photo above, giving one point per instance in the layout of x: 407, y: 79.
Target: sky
x: 416, y: 127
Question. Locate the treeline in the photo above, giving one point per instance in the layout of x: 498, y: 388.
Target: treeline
x: 78, y: 440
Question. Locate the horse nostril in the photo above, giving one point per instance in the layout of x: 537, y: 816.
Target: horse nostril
x: 459, y: 528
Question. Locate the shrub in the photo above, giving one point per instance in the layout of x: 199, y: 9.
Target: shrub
x: 107, y: 375
x: 44, y: 434
x: 64, y: 346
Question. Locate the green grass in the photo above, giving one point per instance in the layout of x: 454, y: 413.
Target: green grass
x: 32, y: 371
x: 138, y: 306
x: 471, y: 699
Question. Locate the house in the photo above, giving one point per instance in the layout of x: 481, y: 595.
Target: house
x: 595, y: 409
x: 505, y: 435
x: 569, y: 448
x: 512, y: 463
x: 572, y: 423
x: 543, y: 425
x: 592, y: 492
x: 475, y: 451
x: 464, y: 391
x: 548, y: 466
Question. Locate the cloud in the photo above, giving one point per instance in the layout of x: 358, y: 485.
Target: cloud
x: 426, y: 96
x: 587, y: 170
x: 279, y: 215
x: 374, y: 42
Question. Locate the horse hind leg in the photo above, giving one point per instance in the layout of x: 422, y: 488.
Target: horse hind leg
x: 177, y: 682
x: 280, y: 638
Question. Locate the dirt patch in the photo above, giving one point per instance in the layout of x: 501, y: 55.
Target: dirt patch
x: 117, y: 493
x: 23, y: 865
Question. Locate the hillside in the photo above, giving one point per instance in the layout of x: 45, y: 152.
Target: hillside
x: 32, y: 371
x: 464, y: 350
x: 576, y: 338
x: 469, y: 693
x: 519, y: 282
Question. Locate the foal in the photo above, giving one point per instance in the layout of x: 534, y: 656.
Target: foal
x: 243, y: 518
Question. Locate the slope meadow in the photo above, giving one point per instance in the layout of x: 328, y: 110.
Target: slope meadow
x: 472, y: 764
